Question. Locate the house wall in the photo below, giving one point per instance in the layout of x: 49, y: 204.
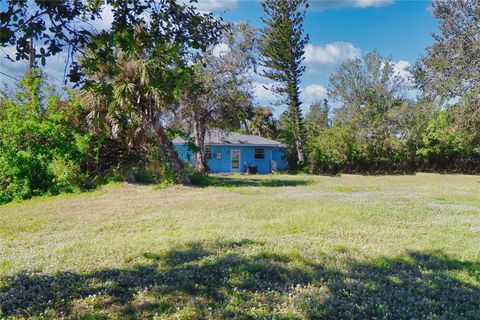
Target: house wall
x: 246, y: 157
x: 280, y: 158
x: 185, y: 154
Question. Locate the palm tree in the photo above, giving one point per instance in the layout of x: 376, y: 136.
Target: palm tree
x: 131, y: 97
x: 262, y: 123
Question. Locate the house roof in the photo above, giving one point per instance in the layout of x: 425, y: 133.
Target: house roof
x: 221, y: 137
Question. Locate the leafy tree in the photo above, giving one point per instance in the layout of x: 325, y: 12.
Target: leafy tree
x: 318, y: 118
x: 282, y: 46
x: 319, y: 114
x: 57, y: 24
x: 450, y: 70
x: 370, y: 94
x: 219, y: 93
x: 451, y: 66
x: 373, y: 119
x: 441, y: 143
x: 446, y: 146
x: 357, y: 83
x: 133, y: 93
x: 333, y: 151
x: 150, y: 39
x: 284, y: 133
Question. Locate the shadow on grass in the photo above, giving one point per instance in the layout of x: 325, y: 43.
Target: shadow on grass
x: 230, y: 280
x: 235, y: 181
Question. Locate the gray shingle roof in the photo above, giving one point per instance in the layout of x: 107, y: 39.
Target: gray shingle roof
x: 221, y: 137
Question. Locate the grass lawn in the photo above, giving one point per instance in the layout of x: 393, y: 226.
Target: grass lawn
x: 248, y: 247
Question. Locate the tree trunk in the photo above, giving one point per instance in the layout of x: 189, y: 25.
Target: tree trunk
x: 31, y: 60
x: 245, y: 124
x: 170, y: 153
x: 300, y: 150
x: 199, y: 136
x: 296, y: 118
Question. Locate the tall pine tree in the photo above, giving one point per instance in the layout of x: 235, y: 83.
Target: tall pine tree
x: 282, y: 46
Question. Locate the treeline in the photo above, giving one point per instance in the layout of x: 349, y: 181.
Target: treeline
x: 379, y: 127
x: 380, y: 119
x: 164, y: 69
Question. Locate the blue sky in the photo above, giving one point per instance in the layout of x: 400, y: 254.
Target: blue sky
x: 338, y: 29
x: 400, y: 29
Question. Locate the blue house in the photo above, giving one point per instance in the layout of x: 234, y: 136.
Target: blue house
x: 233, y: 152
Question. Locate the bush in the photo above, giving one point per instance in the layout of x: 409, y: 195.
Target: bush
x: 330, y: 152
x: 67, y: 175
x: 448, y: 146
x: 430, y: 142
x: 40, y: 152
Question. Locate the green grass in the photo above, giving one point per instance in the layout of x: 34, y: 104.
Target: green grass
x: 248, y: 247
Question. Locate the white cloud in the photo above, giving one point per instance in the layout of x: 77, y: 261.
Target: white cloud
x: 263, y: 93
x: 211, y: 5
x: 330, y: 4
x: 220, y: 49
x: 331, y: 53
x: 401, y: 69
x: 312, y: 93
x: 309, y: 94
x: 372, y: 3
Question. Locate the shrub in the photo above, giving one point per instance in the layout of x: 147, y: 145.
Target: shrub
x: 67, y: 175
x: 330, y: 151
x: 40, y: 152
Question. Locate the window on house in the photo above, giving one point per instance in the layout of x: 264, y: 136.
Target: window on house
x: 208, y: 152
x: 259, y: 154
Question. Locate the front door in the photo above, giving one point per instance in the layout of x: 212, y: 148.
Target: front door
x: 235, y: 160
